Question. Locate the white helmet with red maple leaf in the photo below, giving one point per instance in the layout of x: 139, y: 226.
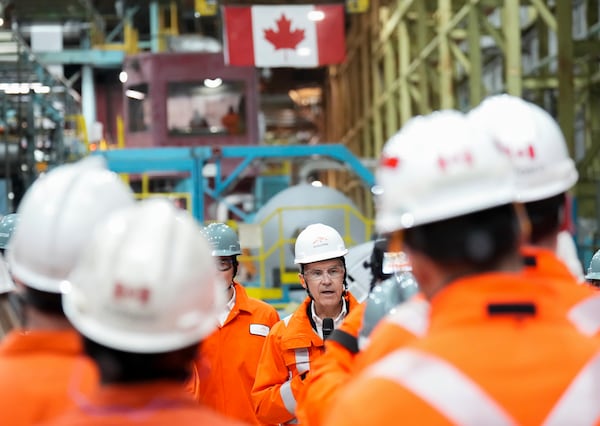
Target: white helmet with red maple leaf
x: 147, y: 282
x: 56, y: 217
x: 534, y: 143
x: 437, y: 167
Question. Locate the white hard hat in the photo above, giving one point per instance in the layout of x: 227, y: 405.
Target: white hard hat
x: 437, y: 167
x: 533, y: 141
x: 318, y: 242
x: 56, y: 217
x: 147, y: 282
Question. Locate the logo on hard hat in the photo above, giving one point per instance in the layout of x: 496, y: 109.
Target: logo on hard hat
x: 320, y: 242
x: 524, y: 152
x: 390, y: 162
x: 125, y: 292
x: 458, y: 158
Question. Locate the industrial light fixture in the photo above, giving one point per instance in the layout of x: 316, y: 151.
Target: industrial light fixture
x: 213, y: 83
x: 135, y: 94
x: 123, y: 76
x: 305, y: 96
x: 316, y: 15
x: 303, y: 51
x: 23, y: 88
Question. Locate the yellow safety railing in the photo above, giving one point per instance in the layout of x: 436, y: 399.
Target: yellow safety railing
x: 265, y: 291
x: 181, y: 199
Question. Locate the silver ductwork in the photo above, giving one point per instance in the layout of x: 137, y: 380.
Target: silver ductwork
x: 290, y: 211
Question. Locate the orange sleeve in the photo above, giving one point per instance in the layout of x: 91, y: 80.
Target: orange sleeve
x: 385, y: 338
x: 328, y: 374
x: 272, y: 375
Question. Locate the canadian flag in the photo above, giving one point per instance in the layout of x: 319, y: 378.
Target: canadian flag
x: 284, y: 36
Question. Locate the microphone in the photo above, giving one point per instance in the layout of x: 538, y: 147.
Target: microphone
x: 327, y: 327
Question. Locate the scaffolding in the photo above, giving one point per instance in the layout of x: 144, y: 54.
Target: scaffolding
x: 410, y: 57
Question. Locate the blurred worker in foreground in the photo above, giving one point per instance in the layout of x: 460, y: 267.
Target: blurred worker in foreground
x: 143, y: 295
x: 538, y: 152
x: 227, y: 359
x: 544, y: 172
x: 296, y: 342
x: 495, y: 337
x: 593, y: 272
x: 42, y: 368
x: 330, y: 372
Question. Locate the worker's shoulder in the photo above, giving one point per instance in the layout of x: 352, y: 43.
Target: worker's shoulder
x: 262, y: 307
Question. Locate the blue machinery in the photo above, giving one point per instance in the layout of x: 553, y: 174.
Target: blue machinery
x: 193, y: 159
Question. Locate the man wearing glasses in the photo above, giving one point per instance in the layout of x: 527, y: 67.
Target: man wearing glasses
x: 227, y: 359
x: 297, y: 340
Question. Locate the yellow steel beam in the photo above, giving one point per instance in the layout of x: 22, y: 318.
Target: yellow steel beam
x: 512, y: 58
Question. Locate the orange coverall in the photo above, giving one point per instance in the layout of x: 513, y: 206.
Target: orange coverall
x: 227, y: 359
x: 41, y: 374
x: 330, y: 371
x: 409, y: 321
x: 581, y: 302
x: 160, y: 403
x: 499, y: 350
x: 290, y: 350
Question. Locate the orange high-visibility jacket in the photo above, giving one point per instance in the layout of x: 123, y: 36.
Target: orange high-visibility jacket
x: 498, y: 351
x: 331, y: 370
x: 290, y: 349
x: 227, y: 359
x: 160, y: 403
x: 409, y: 321
x: 42, y: 373
x: 581, y: 302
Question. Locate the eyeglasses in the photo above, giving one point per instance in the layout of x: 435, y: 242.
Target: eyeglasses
x: 224, y: 264
x: 318, y: 275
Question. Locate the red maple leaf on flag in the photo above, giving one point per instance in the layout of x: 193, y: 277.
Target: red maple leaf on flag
x: 283, y: 38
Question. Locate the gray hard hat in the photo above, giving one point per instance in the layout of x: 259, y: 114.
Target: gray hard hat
x: 593, y: 271
x: 8, y: 224
x: 223, y: 240
x: 398, y: 288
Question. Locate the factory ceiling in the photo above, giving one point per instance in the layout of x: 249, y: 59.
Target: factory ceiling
x: 280, y: 111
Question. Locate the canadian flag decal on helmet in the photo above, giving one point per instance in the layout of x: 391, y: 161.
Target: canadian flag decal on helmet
x: 459, y: 158
x: 528, y: 151
x: 123, y: 292
x: 391, y: 162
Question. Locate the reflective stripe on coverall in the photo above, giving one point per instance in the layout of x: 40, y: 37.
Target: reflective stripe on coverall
x: 582, y: 307
x: 290, y: 349
x: 582, y: 302
x: 509, y: 336
x: 463, y: 402
x: 409, y: 321
x: 329, y: 372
